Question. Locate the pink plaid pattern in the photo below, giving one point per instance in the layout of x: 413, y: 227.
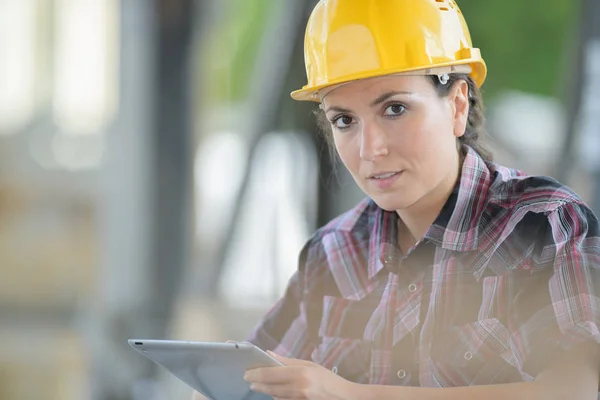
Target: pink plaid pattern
x: 506, y: 278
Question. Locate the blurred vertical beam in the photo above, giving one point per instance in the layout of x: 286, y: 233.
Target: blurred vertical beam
x: 588, y: 26
x: 583, y: 117
x: 172, y: 151
x: 124, y: 295
x: 144, y: 196
x: 590, y: 96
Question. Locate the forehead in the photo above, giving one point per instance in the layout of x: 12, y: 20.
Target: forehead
x: 365, y: 90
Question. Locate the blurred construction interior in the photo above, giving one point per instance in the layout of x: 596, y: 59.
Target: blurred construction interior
x: 157, y: 181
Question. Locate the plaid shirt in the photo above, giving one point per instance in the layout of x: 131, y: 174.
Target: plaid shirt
x: 506, y: 277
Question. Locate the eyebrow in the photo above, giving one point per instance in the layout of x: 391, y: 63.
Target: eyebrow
x: 386, y: 96
x: 338, y: 109
x: 374, y: 103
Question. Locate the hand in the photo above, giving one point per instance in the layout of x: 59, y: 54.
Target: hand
x: 299, y: 380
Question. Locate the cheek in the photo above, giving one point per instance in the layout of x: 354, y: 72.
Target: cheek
x: 347, y: 152
x: 413, y: 139
x: 431, y: 147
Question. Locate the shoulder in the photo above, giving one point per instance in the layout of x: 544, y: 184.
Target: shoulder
x: 539, y: 203
x: 511, y: 188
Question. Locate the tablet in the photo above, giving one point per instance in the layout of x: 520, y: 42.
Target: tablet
x: 214, y: 369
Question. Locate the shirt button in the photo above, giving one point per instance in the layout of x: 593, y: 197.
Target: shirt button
x: 468, y: 355
x: 412, y: 287
x: 334, y: 370
x: 401, y: 374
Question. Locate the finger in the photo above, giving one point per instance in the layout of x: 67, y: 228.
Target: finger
x: 266, y: 375
x: 290, y: 361
x: 275, y: 391
x: 275, y: 375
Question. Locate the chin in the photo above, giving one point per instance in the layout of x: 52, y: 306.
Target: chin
x: 393, y: 201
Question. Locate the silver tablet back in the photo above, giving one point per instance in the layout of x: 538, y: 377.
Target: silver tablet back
x: 214, y: 369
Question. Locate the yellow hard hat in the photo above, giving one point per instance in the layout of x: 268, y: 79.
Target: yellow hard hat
x: 348, y: 40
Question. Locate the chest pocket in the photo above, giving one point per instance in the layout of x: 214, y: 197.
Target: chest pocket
x: 341, y: 346
x: 476, y: 353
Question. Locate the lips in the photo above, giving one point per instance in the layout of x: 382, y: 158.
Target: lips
x: 383, y: 175
x: 385, y: 180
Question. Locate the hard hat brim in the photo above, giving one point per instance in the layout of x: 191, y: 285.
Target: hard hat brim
x: 311, y: 93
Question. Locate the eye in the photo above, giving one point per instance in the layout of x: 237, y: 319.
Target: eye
x: 394, y: 110
x: 342, y: 122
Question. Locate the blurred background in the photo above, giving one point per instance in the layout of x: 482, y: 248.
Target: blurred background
x: 156, y: 180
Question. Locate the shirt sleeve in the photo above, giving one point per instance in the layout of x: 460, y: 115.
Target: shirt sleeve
x: 557, y: 303
x: 284, y: 329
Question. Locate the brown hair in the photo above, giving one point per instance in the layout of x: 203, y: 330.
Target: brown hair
x: 475, y: 133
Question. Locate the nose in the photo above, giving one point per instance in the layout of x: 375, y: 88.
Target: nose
x: 373, y: 142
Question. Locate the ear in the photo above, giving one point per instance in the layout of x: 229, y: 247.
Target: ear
x: 459, y: 102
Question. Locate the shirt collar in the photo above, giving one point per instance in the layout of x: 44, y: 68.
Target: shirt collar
x: 457, y: 226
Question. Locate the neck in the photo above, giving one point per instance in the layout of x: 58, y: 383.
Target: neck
x: 418, y: 217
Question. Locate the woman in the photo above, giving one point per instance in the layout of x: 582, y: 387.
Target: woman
x: 456, y: 278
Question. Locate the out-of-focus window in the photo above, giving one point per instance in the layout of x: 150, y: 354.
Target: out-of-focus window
x: 17, y: 69
x: 85, y: 75
x: 59, y: 73
x: 85, y: 72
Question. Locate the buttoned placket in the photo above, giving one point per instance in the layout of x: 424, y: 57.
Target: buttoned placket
x: 414, y: 270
